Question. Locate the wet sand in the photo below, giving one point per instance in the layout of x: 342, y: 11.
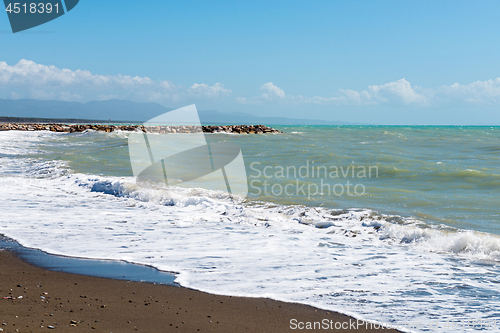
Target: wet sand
x: 37, y: 300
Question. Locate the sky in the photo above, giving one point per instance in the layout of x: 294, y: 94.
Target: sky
x: 379, y: 62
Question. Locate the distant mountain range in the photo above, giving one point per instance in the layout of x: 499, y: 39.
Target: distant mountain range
x: 235, y: 118
x: 127, y: 111
x: 98, y: 110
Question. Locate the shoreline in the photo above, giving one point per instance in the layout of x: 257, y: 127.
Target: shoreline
x: 77, y: 128
x: 112, y: 269
x: 31, y: 297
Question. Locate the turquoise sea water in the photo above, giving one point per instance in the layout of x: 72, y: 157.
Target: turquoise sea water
x: 448, y: 175
x: 443, y: 175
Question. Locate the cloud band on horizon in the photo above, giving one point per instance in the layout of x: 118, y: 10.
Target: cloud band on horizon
x: 27, y: 79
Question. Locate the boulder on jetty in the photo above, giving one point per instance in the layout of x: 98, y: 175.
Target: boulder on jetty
x: 66, y: 128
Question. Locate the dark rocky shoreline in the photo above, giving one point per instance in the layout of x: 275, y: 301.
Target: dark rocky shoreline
x: 67, y: 128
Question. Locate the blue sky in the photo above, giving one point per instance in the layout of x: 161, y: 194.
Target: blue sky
x: 384, y: 62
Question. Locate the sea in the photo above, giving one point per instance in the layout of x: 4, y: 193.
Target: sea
x: 396, y: 225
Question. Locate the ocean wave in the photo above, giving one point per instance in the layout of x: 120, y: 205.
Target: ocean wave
x: 351, y: 222
x: 32, y: 168
x: 394, y: 228
x: 466, y: 243
x: 20, y: 143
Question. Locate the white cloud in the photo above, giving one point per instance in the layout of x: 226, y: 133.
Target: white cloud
x: 270, y: 91
x: 69, y: 97
x: 104, y: 97
x: 479, y: 92
x: 399, y: 92
x: 27, y: 79
x: 14, y: 95
x: 41, y: 94
x: 203, y: 89
x: 29, y: 73
x: 242, y: 100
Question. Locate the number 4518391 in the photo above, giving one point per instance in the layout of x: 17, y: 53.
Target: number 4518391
x: 32, y: 8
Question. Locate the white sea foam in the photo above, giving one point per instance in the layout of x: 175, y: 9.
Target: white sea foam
x: 466, y: 243
x: 18, y: 143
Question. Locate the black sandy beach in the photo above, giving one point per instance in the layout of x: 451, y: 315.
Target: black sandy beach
x: 37, y: 300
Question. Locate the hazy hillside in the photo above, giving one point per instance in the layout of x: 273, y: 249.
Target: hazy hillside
x: 121, y: 110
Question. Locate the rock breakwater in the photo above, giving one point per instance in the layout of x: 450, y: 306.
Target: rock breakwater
x: 72, y: 128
